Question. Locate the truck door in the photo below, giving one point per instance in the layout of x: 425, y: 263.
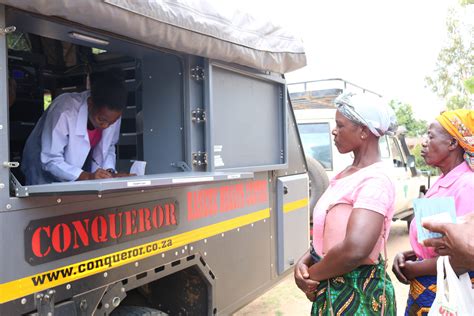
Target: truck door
x: 401, y: 175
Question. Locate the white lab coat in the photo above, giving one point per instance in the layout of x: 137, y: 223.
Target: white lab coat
x: 59, y: 144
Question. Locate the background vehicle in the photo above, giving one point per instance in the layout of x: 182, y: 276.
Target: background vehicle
x: 315, y: 112
x: 221, y: 213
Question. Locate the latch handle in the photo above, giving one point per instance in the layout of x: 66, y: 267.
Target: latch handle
x: 7, y: 30
x: 11, y: 164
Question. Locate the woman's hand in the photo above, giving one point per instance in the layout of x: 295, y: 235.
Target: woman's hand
x: 402, y: 259
x: 311, y: 296
x: 302, y: 279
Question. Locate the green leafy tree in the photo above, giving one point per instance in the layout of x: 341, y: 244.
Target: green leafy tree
x: 405, y: 117
x: 455, y: 63
x: 414, y: 128
x: 469, y: 84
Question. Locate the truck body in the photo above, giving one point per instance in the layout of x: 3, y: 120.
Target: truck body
x: 221, y: 213
x: 315, y: 111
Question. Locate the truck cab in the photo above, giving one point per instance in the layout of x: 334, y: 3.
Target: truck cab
x: 315, y: 115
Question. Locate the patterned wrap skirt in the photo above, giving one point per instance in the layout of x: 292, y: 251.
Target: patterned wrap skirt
x: 422, y: 294
x: 359, y: 292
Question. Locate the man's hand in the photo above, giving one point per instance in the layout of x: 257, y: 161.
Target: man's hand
x: 457, y: 242
x: 400, y: 263
x: 101, y: 174
x: 98, y: 174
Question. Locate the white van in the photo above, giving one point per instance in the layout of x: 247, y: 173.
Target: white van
x: 315, y: 115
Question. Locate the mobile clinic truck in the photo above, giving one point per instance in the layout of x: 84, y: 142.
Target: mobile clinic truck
x: 221, y: 213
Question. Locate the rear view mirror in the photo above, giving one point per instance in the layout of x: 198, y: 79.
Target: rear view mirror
x: 411, y: 165
x: 411, y: 161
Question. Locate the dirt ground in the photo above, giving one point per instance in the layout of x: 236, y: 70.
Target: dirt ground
x: 286, y: 299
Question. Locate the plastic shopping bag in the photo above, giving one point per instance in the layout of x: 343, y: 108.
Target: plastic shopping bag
x: 454, y: 296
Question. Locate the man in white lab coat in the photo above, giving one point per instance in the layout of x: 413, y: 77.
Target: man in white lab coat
x: 75, y: 137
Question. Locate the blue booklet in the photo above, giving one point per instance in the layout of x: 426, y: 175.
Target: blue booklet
x: 440, y: 210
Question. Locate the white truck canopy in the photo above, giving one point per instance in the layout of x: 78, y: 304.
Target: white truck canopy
x: 206, y: 28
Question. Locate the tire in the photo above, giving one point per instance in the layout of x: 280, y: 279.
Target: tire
x: 136, y: 311
x: 319, y: 181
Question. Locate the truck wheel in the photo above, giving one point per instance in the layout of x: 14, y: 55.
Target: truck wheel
x: 319, y: 181
x: 136, y: 311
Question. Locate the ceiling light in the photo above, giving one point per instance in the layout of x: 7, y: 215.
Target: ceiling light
x: 88, y: 38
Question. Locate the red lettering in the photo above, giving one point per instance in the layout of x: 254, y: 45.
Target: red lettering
x: 81, y: 230
x: 239, y: 196
x: 80, y: 233
x: 172, y: 214
x: 99, y: 229
x: 159, y: 216
x: 146, y: 217
x: 131, y: 222
x: 202, y: 204
x: 224, y: 198
x: 113, y: 225
x: 36, y: 241
x: 61, y: 238
x: 190, y: 206
x: 167, y: 215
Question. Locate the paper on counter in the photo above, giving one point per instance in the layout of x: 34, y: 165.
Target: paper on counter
x: 138, y: 167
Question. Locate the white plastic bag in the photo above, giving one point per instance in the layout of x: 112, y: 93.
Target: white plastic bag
x: 454, y: 296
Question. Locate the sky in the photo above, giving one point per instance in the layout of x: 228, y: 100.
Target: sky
x: 385, y: 46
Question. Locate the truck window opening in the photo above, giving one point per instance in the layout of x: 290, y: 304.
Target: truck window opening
x: 42, y: 68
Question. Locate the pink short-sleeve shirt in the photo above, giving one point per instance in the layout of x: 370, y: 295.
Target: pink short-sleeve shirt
x: 458, y: 183
x: 369, y: 188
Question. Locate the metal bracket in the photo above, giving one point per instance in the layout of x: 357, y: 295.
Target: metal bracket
x: 199, y: 159
x: 8, y: 29
x: 198, y: 115
x: 20, y: 190
x: 197, y: 73
x: 181, y: 165
x: 112, y: 298
x: 45, y: 303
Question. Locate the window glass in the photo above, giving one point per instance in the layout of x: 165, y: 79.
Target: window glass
x: 18, y: 41
x: 316, y: 138
x: 384, y: 152
x: 396, y: 153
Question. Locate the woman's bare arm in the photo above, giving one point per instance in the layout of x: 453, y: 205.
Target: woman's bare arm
x: 363, y: 231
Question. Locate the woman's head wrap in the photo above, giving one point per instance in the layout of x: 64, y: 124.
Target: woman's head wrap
x: 368, y: 110
x: 460, y: 125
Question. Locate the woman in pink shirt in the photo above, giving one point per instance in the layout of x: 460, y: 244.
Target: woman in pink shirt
x: 343, y: 272
x: 450, y: 147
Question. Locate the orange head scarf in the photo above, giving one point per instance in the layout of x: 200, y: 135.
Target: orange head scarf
x: 460, y: 125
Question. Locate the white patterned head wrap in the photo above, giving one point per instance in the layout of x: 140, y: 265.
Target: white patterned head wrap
x: 368, y: 110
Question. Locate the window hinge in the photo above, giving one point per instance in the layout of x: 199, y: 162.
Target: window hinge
x: 199, y: 159
x: 198, y: 115
x: 197, y: 73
